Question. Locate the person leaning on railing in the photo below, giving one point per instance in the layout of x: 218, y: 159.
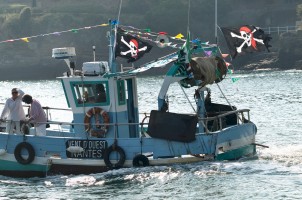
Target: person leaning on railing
x: 36, y: 115
x: 13, y: 111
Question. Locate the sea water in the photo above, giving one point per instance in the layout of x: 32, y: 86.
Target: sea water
x: 275, y: 101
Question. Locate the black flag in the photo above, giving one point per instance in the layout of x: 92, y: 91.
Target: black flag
x: 246, y: 39
x: 130, y: 47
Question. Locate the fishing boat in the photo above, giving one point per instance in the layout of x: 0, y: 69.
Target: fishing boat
x: 107, y: 132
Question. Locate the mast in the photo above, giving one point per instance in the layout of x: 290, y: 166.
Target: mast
x: 216, y: 38
x: 112, y: 35
x: 112, y: 40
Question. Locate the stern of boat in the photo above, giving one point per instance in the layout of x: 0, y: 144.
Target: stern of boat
x: 236, y: 142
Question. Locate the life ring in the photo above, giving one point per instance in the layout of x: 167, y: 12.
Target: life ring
x: 122, y: 157
x: 30, y: 150
x: 140, y: 161
x: 102, y: 129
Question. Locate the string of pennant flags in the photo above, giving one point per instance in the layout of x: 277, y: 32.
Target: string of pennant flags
x: 142, y: 33
x: 75, y: 30
x: 145, y: 34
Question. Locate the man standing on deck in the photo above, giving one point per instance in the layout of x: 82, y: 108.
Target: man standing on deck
x: 13, y: 111
x: 36, y: 114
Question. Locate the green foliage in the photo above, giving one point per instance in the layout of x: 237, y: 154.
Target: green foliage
x: 34, y: 3
x: 17, y: 21
x: 299, y: 11
x: 80, y: 7
x: 12, y: 26
x: 13, y: 8
x: 25, y: 15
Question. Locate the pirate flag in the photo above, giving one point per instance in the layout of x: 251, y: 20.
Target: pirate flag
x: 246, y: 39
x: 130, y: 47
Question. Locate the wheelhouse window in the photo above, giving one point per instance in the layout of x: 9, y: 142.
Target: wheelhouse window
x: 121, y: 92
x: 90, y: 93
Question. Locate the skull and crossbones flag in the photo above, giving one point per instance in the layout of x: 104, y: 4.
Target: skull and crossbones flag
x: 246, y: 39
x: 130, y: 47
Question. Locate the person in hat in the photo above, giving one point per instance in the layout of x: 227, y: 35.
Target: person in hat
x: 36, y: 114
x: 13, y: 112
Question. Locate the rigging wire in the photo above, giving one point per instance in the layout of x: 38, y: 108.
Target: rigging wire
x: 187, y: 97
x: 119, y: 11
x: 224, y: 96
x: 216, y: 37
x: 118, y: 21
x: 188, y: 22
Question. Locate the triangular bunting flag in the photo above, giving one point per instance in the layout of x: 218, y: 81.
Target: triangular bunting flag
x: 227, y: 64
x: 162, y: 33
x: 224, y: 55
x: 25, y: 39
x: 179, y: 36
x: 230, y: 71
x: 114, y: 22
x: 235, y: 79
x: 185, y: 52
x: 208, y: 53
x: 196, y: 41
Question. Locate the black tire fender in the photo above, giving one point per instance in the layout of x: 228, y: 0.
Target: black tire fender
x: 140, y: 161
x: 30, y: 150
x: 121, y: 153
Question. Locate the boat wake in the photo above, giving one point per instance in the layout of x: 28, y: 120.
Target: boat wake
x: 290, y: 155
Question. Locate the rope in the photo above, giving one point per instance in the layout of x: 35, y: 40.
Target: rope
x: 187, y: 97
x: 224, y: 96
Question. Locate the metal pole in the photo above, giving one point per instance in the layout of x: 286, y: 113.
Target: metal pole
x: 93, y: 47
x: 112, y: 63
x: 216, y: 38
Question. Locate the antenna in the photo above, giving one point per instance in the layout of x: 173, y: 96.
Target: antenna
x: 93, y: 48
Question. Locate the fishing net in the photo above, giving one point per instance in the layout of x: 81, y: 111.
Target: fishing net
x: 208, y: 69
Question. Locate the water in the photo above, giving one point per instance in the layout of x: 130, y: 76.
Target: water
x: 275, y: 100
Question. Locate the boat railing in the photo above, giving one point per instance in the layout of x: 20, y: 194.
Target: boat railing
x: 219, y: 119
x: 30, y: 125
x: 45, y: 107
